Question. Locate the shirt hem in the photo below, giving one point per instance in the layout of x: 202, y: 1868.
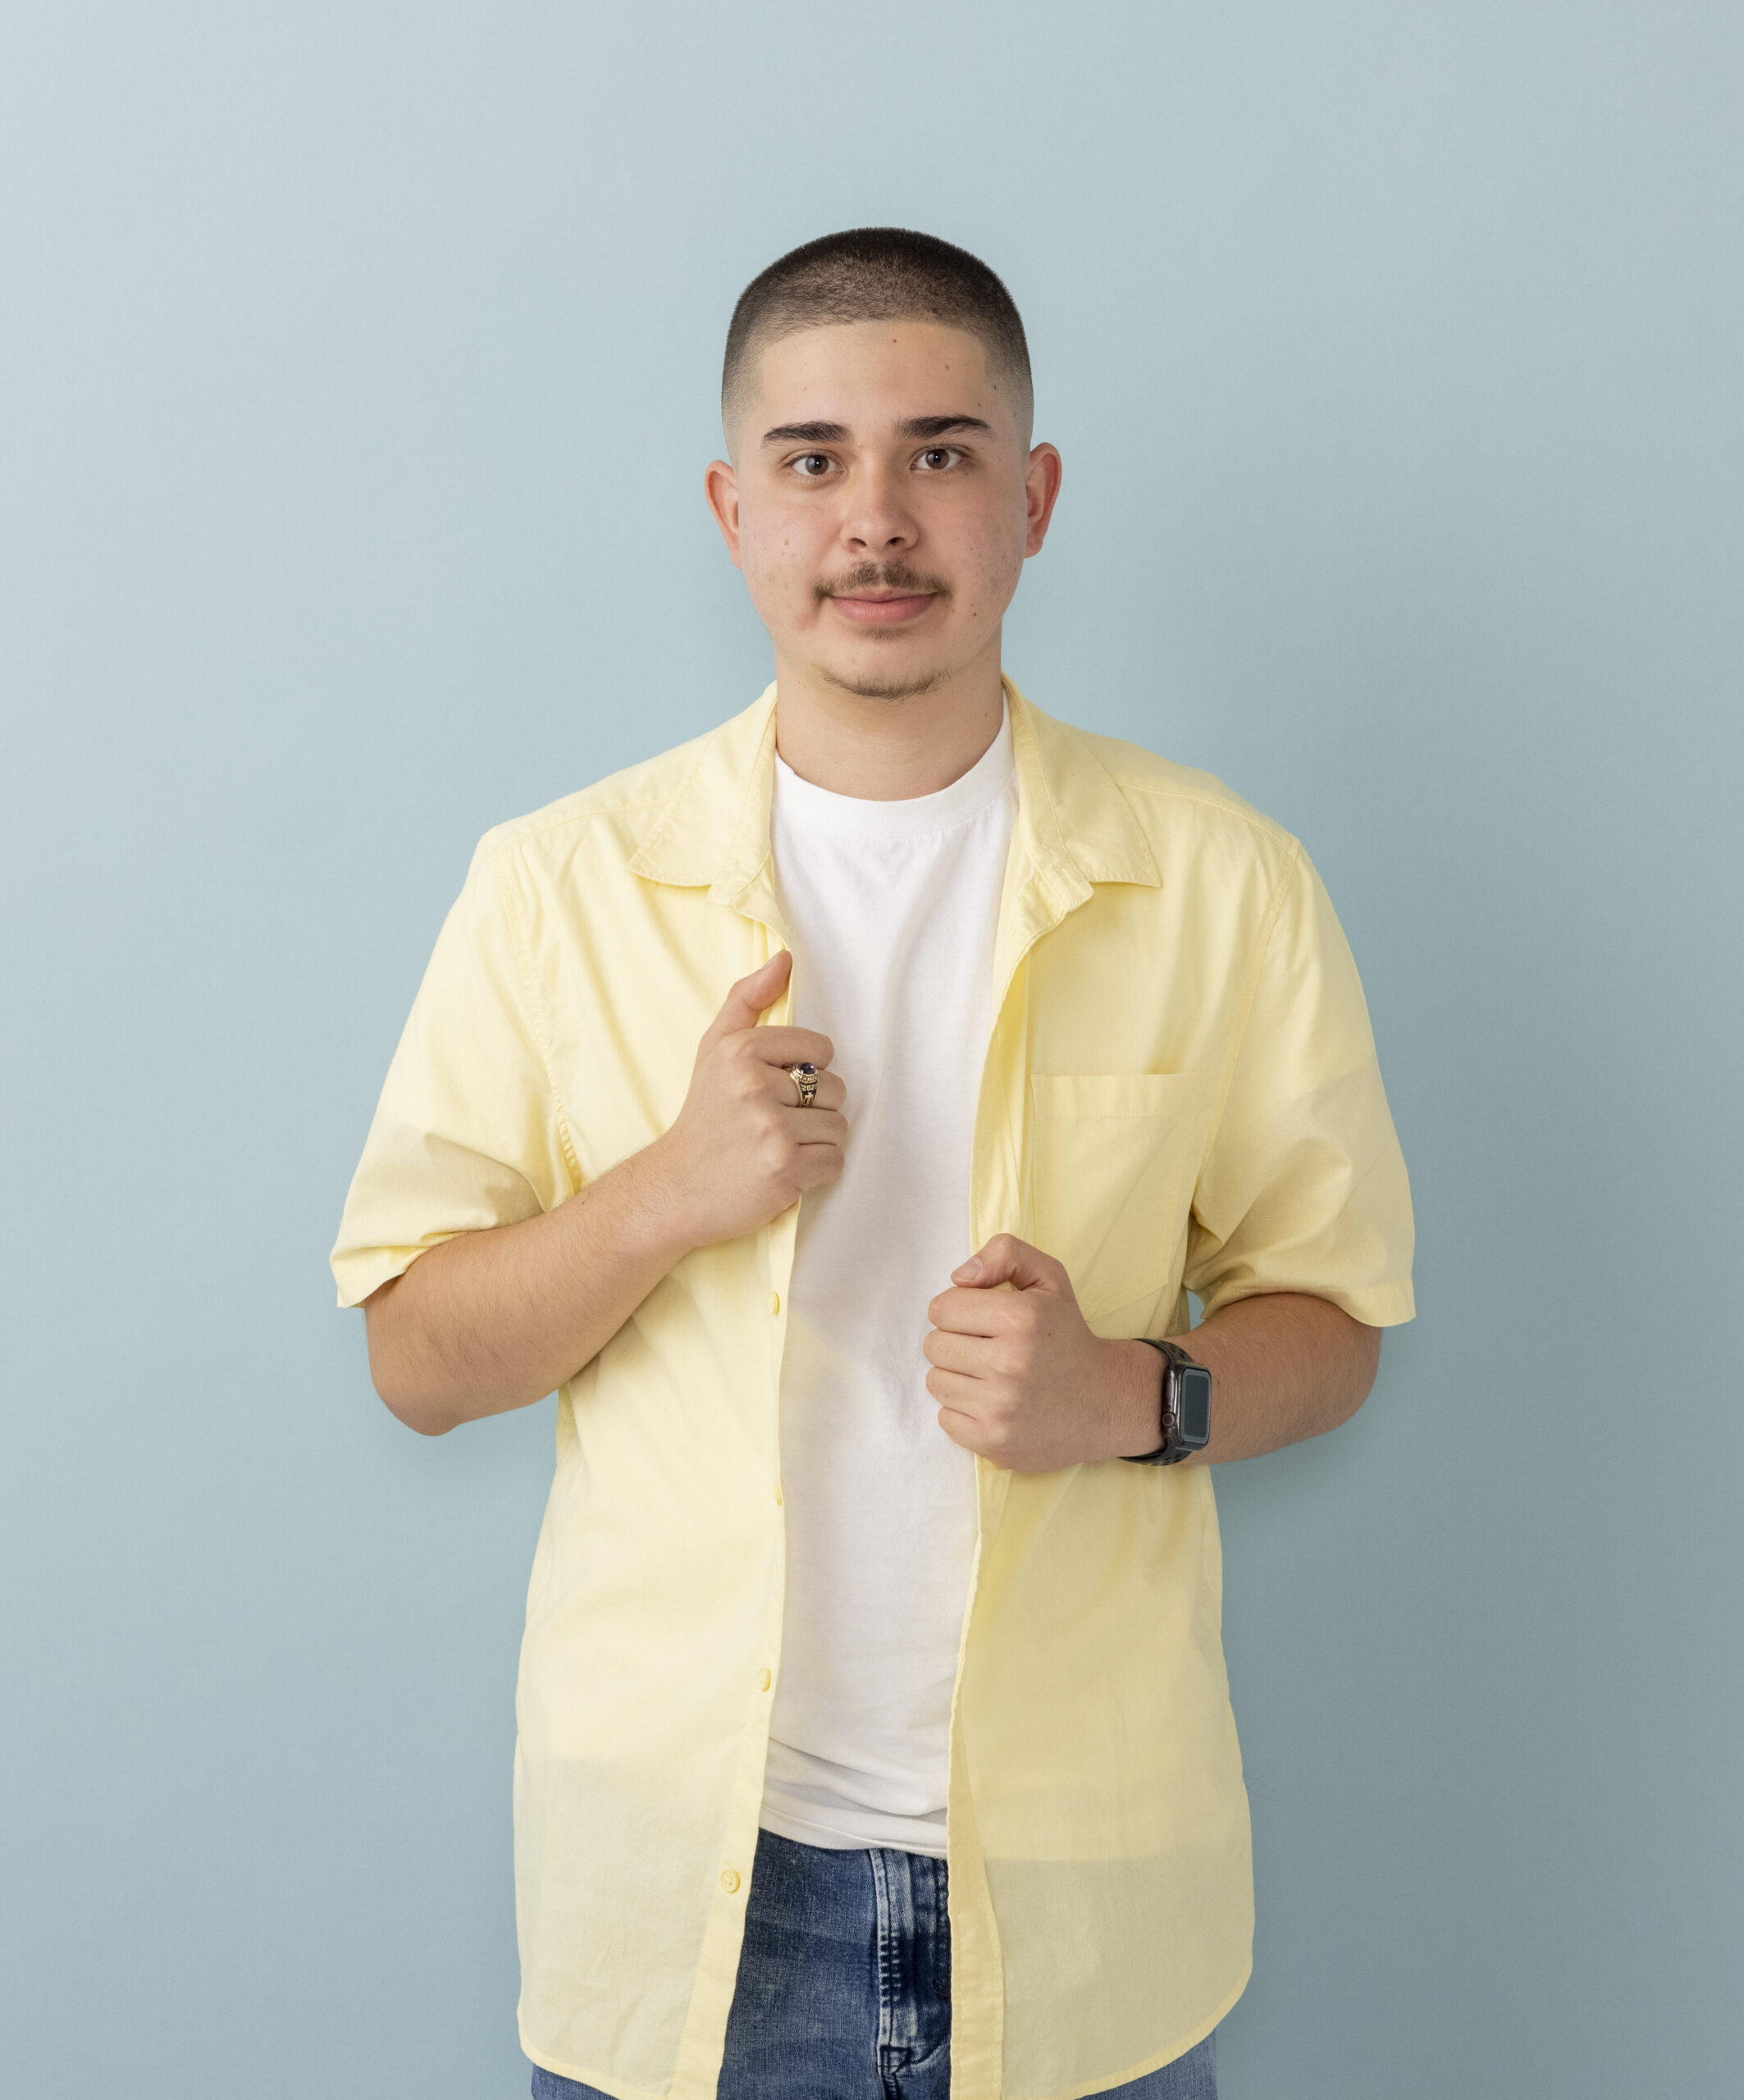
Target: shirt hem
x: 1100, y: 2084
x: 1112, y: 2081
x: 614, y: 2089
x: 1375, y: 1305
x: 359, y: 1277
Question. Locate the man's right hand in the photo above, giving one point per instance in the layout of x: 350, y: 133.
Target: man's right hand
x: 743, y: 1149
x: 492, y: 1319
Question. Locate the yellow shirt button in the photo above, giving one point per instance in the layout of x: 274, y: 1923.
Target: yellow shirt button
x: 763, y: 1680
x: 774, y: 1301
x: 728, y: 1880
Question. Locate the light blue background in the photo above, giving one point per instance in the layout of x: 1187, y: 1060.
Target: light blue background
x: 357, y: 363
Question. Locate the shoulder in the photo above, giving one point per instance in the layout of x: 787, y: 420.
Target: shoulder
x: 691, y: 790
x: 619, y: 810
x: 1147, y: 776
x: 1186, y: 815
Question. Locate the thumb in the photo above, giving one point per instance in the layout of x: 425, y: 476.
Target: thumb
x: 749, y: 997
x: 1007, y: 1259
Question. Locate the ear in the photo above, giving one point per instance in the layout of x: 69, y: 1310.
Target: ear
x: 1042, y: 488
x: 721, y: 486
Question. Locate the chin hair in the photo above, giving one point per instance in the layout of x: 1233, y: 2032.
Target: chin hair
x: 888, y: 688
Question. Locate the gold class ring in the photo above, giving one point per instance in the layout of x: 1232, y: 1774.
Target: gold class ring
x: 805, y: 1079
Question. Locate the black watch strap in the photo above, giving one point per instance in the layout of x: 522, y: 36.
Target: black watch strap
x: 1175, y: 1445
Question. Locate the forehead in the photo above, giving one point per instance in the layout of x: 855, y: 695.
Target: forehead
x: 867, y: 373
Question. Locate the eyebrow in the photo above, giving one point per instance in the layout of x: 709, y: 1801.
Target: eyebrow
x: 940, y: 425
x: 916, y: 428
x: 807, y: 434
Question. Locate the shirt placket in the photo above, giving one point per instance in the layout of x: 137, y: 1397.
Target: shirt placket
x: 703, y: 2045
x: 1031, y: 906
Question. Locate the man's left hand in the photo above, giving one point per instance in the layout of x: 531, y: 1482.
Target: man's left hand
x: 1019, y: 1377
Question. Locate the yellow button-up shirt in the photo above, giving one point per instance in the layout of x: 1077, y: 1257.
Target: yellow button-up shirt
x: 1180, y: 1092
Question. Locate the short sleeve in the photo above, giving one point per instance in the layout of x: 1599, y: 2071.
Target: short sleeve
x: 468, y: 1133
x: 1303, y: 1187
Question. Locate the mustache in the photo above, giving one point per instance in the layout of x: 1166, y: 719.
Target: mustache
x: 882, y: 576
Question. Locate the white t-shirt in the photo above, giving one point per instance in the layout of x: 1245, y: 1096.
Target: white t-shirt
x: 892, y: 908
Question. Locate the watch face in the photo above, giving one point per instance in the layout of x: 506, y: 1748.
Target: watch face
x: 1195, y: 1408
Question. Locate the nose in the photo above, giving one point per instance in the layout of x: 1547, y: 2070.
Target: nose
x: 878, y: 522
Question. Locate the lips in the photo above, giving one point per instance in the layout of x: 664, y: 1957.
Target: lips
x: 884, y: 610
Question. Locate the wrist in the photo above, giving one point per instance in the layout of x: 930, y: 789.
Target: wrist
x: 658, y: 1219
x: 1134, y: 1387
x: 1184, y: 1406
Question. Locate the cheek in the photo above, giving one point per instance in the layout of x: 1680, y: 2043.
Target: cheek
x: 781, y: 553
x: 985, y: 544
x: 991, y: 561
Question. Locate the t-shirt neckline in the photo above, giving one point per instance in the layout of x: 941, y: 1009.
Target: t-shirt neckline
x: 811, y: 808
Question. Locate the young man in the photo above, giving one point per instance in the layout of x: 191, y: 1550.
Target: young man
x: 837, y: 1110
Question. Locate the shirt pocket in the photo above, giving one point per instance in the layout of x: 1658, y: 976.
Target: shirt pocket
x: 1115, y: 1157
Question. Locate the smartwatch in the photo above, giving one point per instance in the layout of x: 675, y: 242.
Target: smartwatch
x: 1186, y: 1407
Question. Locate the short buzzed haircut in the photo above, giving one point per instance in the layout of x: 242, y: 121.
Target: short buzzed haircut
x: 877, y: 273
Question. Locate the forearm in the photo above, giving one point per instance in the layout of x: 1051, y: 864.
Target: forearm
x: 494, y: 1320
x: 1283, y: 1366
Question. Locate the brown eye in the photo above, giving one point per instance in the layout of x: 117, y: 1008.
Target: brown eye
x: 938, y: 456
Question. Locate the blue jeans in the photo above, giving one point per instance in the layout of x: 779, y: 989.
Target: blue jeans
x: 844, y: 1988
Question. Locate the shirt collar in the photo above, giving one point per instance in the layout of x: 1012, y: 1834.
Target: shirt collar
x: 1074, y: 826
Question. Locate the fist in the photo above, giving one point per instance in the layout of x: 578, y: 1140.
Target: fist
x: 1019, y: 1376
x: 743, y: 1149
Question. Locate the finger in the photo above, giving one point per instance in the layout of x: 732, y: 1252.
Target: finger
x: 969, y: 1311
x: 961, y: 1428
x: 969, y: 1355
x: 1007, y: 1259
x: 832, y: 1093
x: 780, y: 1085
x: 954, y: 1389
x: 749, y: 997
x: 815, y: 1166
x: 818, y: 1127
x: 793, y: 1045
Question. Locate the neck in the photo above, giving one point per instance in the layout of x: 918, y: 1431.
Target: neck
x: 886, y: 750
